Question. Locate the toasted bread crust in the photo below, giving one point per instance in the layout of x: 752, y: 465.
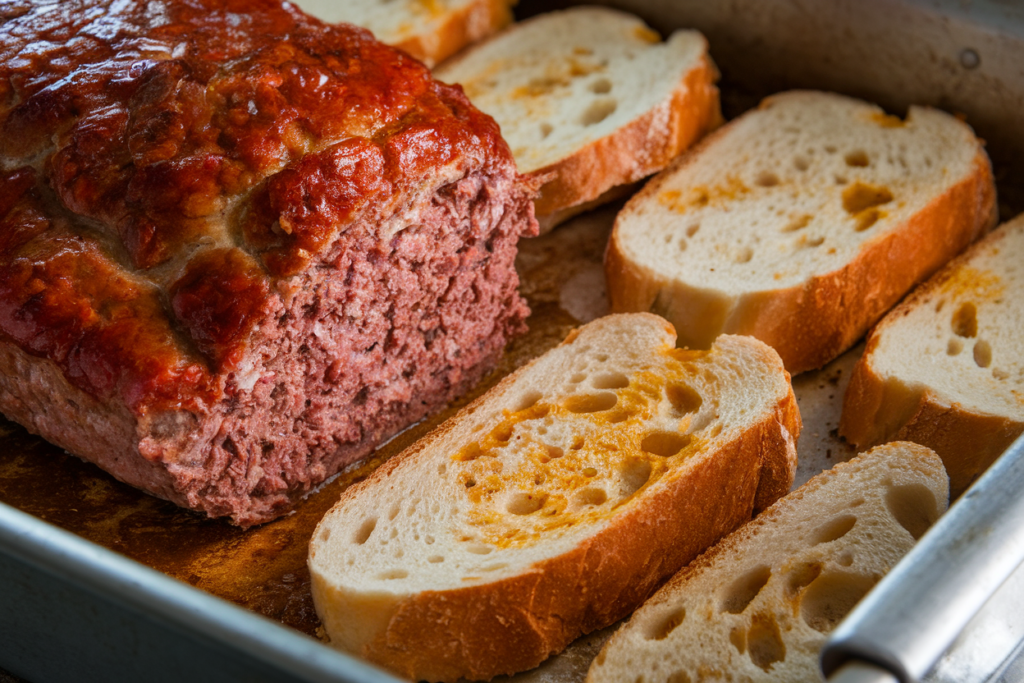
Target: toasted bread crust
x: 967, y: 441
x: 829, y: 313
x: 461, y: 28
x: 644, y: 146
x: 506, y: 626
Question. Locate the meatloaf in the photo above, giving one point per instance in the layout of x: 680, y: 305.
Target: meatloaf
x: 240, y: 247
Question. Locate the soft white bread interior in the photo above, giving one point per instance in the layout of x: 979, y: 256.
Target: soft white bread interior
x: 946, y: 367
x: 429, y: 30
x: 760, y: 604
x: 589, y: 99
x: 801, y: 223
x: 556, y: 503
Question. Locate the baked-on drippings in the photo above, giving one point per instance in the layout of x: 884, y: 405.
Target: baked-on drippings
x: 583, y: 457
x: 205, y: 148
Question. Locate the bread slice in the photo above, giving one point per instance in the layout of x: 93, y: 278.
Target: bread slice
x: 556, y: 503
x: 760, y: 604
x: 946, y: 367
x: 801, y: 223
x: 590, y: 99
x: 429, y: 30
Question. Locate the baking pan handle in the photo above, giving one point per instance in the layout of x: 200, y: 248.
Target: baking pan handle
x: 914, y: 614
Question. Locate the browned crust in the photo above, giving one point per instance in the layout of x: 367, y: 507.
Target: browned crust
x: 967, y: 441
x: 644, y: 146
x: 503, y: 627
x: 829, y: 313
x: 461, y: 28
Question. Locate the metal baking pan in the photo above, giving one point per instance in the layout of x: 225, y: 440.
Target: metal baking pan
x: 101, y: 582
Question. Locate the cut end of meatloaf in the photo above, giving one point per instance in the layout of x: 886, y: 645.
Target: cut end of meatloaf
x: 234, y: 264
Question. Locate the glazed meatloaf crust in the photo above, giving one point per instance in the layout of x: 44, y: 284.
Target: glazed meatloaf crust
x: 239, y: 247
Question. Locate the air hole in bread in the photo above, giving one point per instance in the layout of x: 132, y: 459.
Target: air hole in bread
x: 856, y: 503
x: 577, y: 443
x: 590, y: 496
x: 364, y: 531
x: 743, y: 590
x: 867, y: 218
x: 800, y: 577
x: 494, y: 567
x: 435, y: 559
x: 841, y: 180
x: 477, y: 549
x: 679, y: 677
x: 831, y: 149
x: 602, y: 357
x: 553, y: 452
x: 611, y: 380
x: 965, y: 320
x: 392, y: 574
x: 954, y: 347
x: 470, y: 483
x: 591, y: 403
x: 524, y: 503
x: 527, y: 400
x: 393, y: 533
x: 913, y: 506
x: 801, y: 164
x: 834, y: 529
x: 692, y: 230
x: 634, y: 474
x: 744, y: 254
x: 683, y: 399
x: 738, y: 638
x: 798, y: 223
x: 682, y: 244
x: 662, y: 626
x: 858, y: 158
x: 598, y: 111
x: 863, y: 196
x: 982, y: 353
x: 325, y: 535
x: 665, y: 444
x: 766, y: 179
x: 546, y: 129
x: 815, y: 241
x: 601, y: 86
x: 393, y: 512
x: 589, y: 472
x: 578, y: 377
x: 830, y: 597
x: 764, y: 641
x: 428, y: 539
x: 1000, y: 374
x: 844, y: 559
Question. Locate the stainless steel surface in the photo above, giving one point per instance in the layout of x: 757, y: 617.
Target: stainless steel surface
x: 72, y: 610
x: 919, y: 609
x: 861, y: 672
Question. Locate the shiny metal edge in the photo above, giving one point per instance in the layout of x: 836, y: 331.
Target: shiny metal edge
x: 245, y: 640
x: 918, y: 609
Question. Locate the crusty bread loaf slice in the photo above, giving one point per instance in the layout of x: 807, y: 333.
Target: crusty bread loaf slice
x: 590, y: 99
x: 801, y: 223
x: 760, y: 604
x: 946, y: 367
x: 556, y: 503
x: 429, y: 30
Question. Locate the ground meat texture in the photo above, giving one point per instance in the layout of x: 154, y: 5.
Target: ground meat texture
x: 238, y: 247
